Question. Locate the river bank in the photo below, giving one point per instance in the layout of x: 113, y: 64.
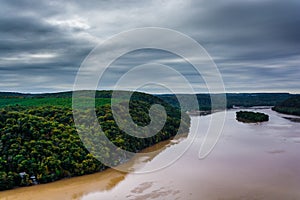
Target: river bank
x: 75, y: 187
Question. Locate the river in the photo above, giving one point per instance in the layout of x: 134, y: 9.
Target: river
x: 250, y: 161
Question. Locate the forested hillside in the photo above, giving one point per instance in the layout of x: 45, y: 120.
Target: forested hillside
x: 41, y: 141
x: 289, y: 106
x: 233, y: 99
x: 103, y: 97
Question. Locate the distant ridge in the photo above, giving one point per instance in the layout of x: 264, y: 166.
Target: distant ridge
x: 289, y: 106
x: 233, y: 99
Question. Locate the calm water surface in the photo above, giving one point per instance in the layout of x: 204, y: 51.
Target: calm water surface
x: 250, y: 161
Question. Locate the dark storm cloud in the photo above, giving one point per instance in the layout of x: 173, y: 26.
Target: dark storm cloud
x: 248, y: 38
x: 246, y: 30
x: 254, y: 43
x: 34, y: 52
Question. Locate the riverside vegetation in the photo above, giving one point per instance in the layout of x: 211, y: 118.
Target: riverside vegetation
x: 290, y: 106
x: 39, y: 142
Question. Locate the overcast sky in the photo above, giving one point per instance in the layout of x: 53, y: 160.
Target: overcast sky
x: 255, y: 44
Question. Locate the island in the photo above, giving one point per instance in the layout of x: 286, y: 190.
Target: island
x: 251, y: 117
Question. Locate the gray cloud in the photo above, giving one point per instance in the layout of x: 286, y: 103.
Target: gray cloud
x: 254, y: 43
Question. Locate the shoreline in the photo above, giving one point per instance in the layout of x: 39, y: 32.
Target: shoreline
x: 105, y: 180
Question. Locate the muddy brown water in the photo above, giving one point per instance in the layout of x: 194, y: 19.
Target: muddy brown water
x: 250, y: 161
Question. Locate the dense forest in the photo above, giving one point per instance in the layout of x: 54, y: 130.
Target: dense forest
x: 63, y: 99
x: 39, y: 142
x: 251, y: 117
x: 290, y: 106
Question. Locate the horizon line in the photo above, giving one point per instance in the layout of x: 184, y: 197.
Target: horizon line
x: 181, y: 93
